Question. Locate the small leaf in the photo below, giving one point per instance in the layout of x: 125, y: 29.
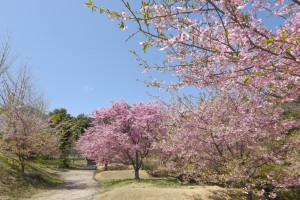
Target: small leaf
x: 128, y: 5
x: 246, y: 80
x: 226, y: 32
x: 288, y: 49
x: 270, y: 40
x: 283, y: 37
x: 245, y: 17
x: 101, y: 9
x: 90, y: 4
x: 161, y: 34
x: 257, y: 73
x: 253, y: 58
x: 146, y: 22
x: 121, y: 25
x: 145, y: 3
x: 145, y: 48
x: 296, y: 39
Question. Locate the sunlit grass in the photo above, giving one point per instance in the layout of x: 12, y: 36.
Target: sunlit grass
x: 117, y: 185
x: 14, y: 185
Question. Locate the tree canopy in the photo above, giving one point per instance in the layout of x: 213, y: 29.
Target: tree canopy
x: 123, y: 133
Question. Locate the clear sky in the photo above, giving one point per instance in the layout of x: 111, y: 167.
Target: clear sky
x: 79, y: 60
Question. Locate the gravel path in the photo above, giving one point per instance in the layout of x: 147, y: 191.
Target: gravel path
x: 79, y: 184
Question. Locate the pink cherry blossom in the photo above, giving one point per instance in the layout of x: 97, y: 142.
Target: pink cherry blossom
x: 123, y: 133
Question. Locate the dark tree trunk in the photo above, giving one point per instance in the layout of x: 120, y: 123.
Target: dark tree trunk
x: 249, y: 195
x: 22, y: 164
x: 90, y: 162
x: 137, y: 166
x: 136, y: 174
x: 22, y: 168
x: 106, y: 166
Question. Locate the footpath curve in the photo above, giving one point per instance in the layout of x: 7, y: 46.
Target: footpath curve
x: 79, y: 185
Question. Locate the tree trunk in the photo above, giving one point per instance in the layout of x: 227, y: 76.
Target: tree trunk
x: 22, y: 168
x: 136, y: 173
x: 22, y: 164
x: 106, y: 166
x: 137, y: 166
x: 249, y: 195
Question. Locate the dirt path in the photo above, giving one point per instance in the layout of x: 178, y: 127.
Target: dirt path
x: 79, y: 184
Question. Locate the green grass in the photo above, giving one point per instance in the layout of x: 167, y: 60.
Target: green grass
x: 116, y: 184
x: 110, y: 184
x: 55, y: 163
x: 149, y: 187
x: 161, y: 183
x: 76, y: 163
x: 13, y: 185
x: 50, y: 164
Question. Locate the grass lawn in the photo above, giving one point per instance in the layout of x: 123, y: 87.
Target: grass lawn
x: 121, y: 185
x: 13, y: 185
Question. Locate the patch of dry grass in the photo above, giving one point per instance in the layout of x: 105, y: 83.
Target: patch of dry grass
x: 119, y: 175
x: 150, y: 192
x: 13, y: 185
x: 120, y: 185
x: 114, y: 166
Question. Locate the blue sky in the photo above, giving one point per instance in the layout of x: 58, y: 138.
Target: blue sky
x: 79, y: 60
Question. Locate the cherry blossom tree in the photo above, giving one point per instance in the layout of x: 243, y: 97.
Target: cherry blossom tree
x: 245, y: 48
x: 233, y: 140
x: 254, y: 43
x: 96, y: 146
x: 24, y: 131
x: 25, y: 134
x: 123, y: 133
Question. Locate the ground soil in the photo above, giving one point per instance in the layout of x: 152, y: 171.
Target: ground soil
x: 79, y: 185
